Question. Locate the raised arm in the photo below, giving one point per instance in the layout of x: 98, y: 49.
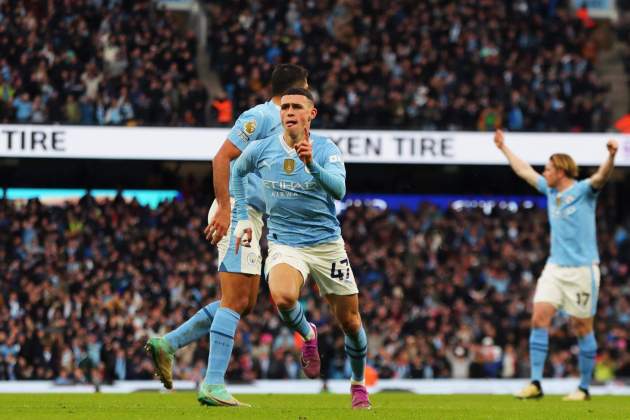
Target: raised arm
x: 332, y: 175
x: 520, y: 167
x: 599, y: 178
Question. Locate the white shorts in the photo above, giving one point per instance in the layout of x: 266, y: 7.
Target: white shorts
x: 327, y: 263
x: 248, y: 259
x: 571, y: 289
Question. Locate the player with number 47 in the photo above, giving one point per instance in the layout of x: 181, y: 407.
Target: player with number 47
x: 302, y: 175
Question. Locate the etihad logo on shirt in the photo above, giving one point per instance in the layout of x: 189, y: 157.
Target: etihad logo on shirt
x: 563, y: 213
x: 288, y: 189
x: 290, y: 185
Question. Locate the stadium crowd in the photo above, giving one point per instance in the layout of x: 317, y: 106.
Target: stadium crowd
x: 473, y: 65
x: 523, y: 65
x: 97, y: 62
x: 443, y: 294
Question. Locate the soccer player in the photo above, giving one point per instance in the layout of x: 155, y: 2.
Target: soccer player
x: 302, y: 176
x: 570, y: 279
x: 239, y: 275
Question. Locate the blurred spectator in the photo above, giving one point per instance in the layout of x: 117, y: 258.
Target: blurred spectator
x: 222, y: 106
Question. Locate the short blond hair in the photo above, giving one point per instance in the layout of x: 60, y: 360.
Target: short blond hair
x: 566, y: 163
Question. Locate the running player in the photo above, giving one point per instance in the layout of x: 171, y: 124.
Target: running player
x: 239, y: 275
x: 302, y: 176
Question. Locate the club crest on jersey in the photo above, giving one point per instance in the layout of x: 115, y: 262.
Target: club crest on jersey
x: 289, y: 166
x: 250, y: 127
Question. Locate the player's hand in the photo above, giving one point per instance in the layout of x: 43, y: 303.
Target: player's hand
x: 612, y: 146
x: 304, y: 149
x: 218, y: 225
x: 499, y: 139
x: 243, y: 234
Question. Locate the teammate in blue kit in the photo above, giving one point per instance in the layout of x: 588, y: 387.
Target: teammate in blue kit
x: 570, y: 279
x: 302, y: 175
x: 239, y: 274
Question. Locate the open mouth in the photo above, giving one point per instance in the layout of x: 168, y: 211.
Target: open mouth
x: 290, y: 123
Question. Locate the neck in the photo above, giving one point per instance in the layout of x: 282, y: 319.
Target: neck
x: 564, y: 184
x: 292, y: 140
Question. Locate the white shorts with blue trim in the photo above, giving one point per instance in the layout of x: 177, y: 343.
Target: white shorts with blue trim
x: 573, y: 290
x: 248, y: 260
x: 328, y: 265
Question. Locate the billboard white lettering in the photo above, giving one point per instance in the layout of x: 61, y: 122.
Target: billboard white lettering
x: 357, y: 146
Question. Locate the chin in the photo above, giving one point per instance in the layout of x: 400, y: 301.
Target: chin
x: 293, y: 131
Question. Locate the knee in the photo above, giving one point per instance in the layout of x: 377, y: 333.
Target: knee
x: 351, y: 324
x: 283, y: 300
x: 540, y: 320
x: 237, y: 303
x: 582, y: 329
x: 251, y: 302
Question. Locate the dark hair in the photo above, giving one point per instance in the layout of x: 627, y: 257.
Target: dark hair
x: 286, y: 76
x: 299, y: 91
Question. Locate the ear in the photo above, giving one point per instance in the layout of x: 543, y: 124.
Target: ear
x: 313, y: 114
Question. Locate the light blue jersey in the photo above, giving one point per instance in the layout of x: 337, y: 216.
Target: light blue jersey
x: 572, y: 221
x: 256, y: 123
x: 300, y: 204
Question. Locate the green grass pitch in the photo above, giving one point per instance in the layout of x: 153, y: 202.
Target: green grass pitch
x: 183, y: 405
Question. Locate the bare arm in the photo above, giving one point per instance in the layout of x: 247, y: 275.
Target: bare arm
x: 520, y: 167
x: 218, y: 227
x: 599, y: 178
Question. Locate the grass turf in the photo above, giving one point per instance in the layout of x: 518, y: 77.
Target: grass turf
x: 184, y: 405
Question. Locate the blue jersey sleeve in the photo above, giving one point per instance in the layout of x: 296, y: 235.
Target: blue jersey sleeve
x: 541, y: 185
x: 248, y: 127
x: 244, y: 165
x: 330, y: 171
x: 584, y: 187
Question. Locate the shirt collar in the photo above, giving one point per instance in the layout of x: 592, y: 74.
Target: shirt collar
x: 285, y: 146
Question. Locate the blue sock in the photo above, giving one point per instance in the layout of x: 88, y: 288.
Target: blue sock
x: 221, y: 342
x: 538, y: 346
x: 194, y: 328
x: 356, y: 349
x: 295, y: 319
x: 586, y: 359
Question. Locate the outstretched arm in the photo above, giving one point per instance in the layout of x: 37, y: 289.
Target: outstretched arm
x: 599, y: 178
x: 520, y: 167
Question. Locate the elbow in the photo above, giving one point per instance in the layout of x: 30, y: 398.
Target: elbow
x: 340, y: 193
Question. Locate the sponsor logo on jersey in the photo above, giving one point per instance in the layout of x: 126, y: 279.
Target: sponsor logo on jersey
x: 290, y: 185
